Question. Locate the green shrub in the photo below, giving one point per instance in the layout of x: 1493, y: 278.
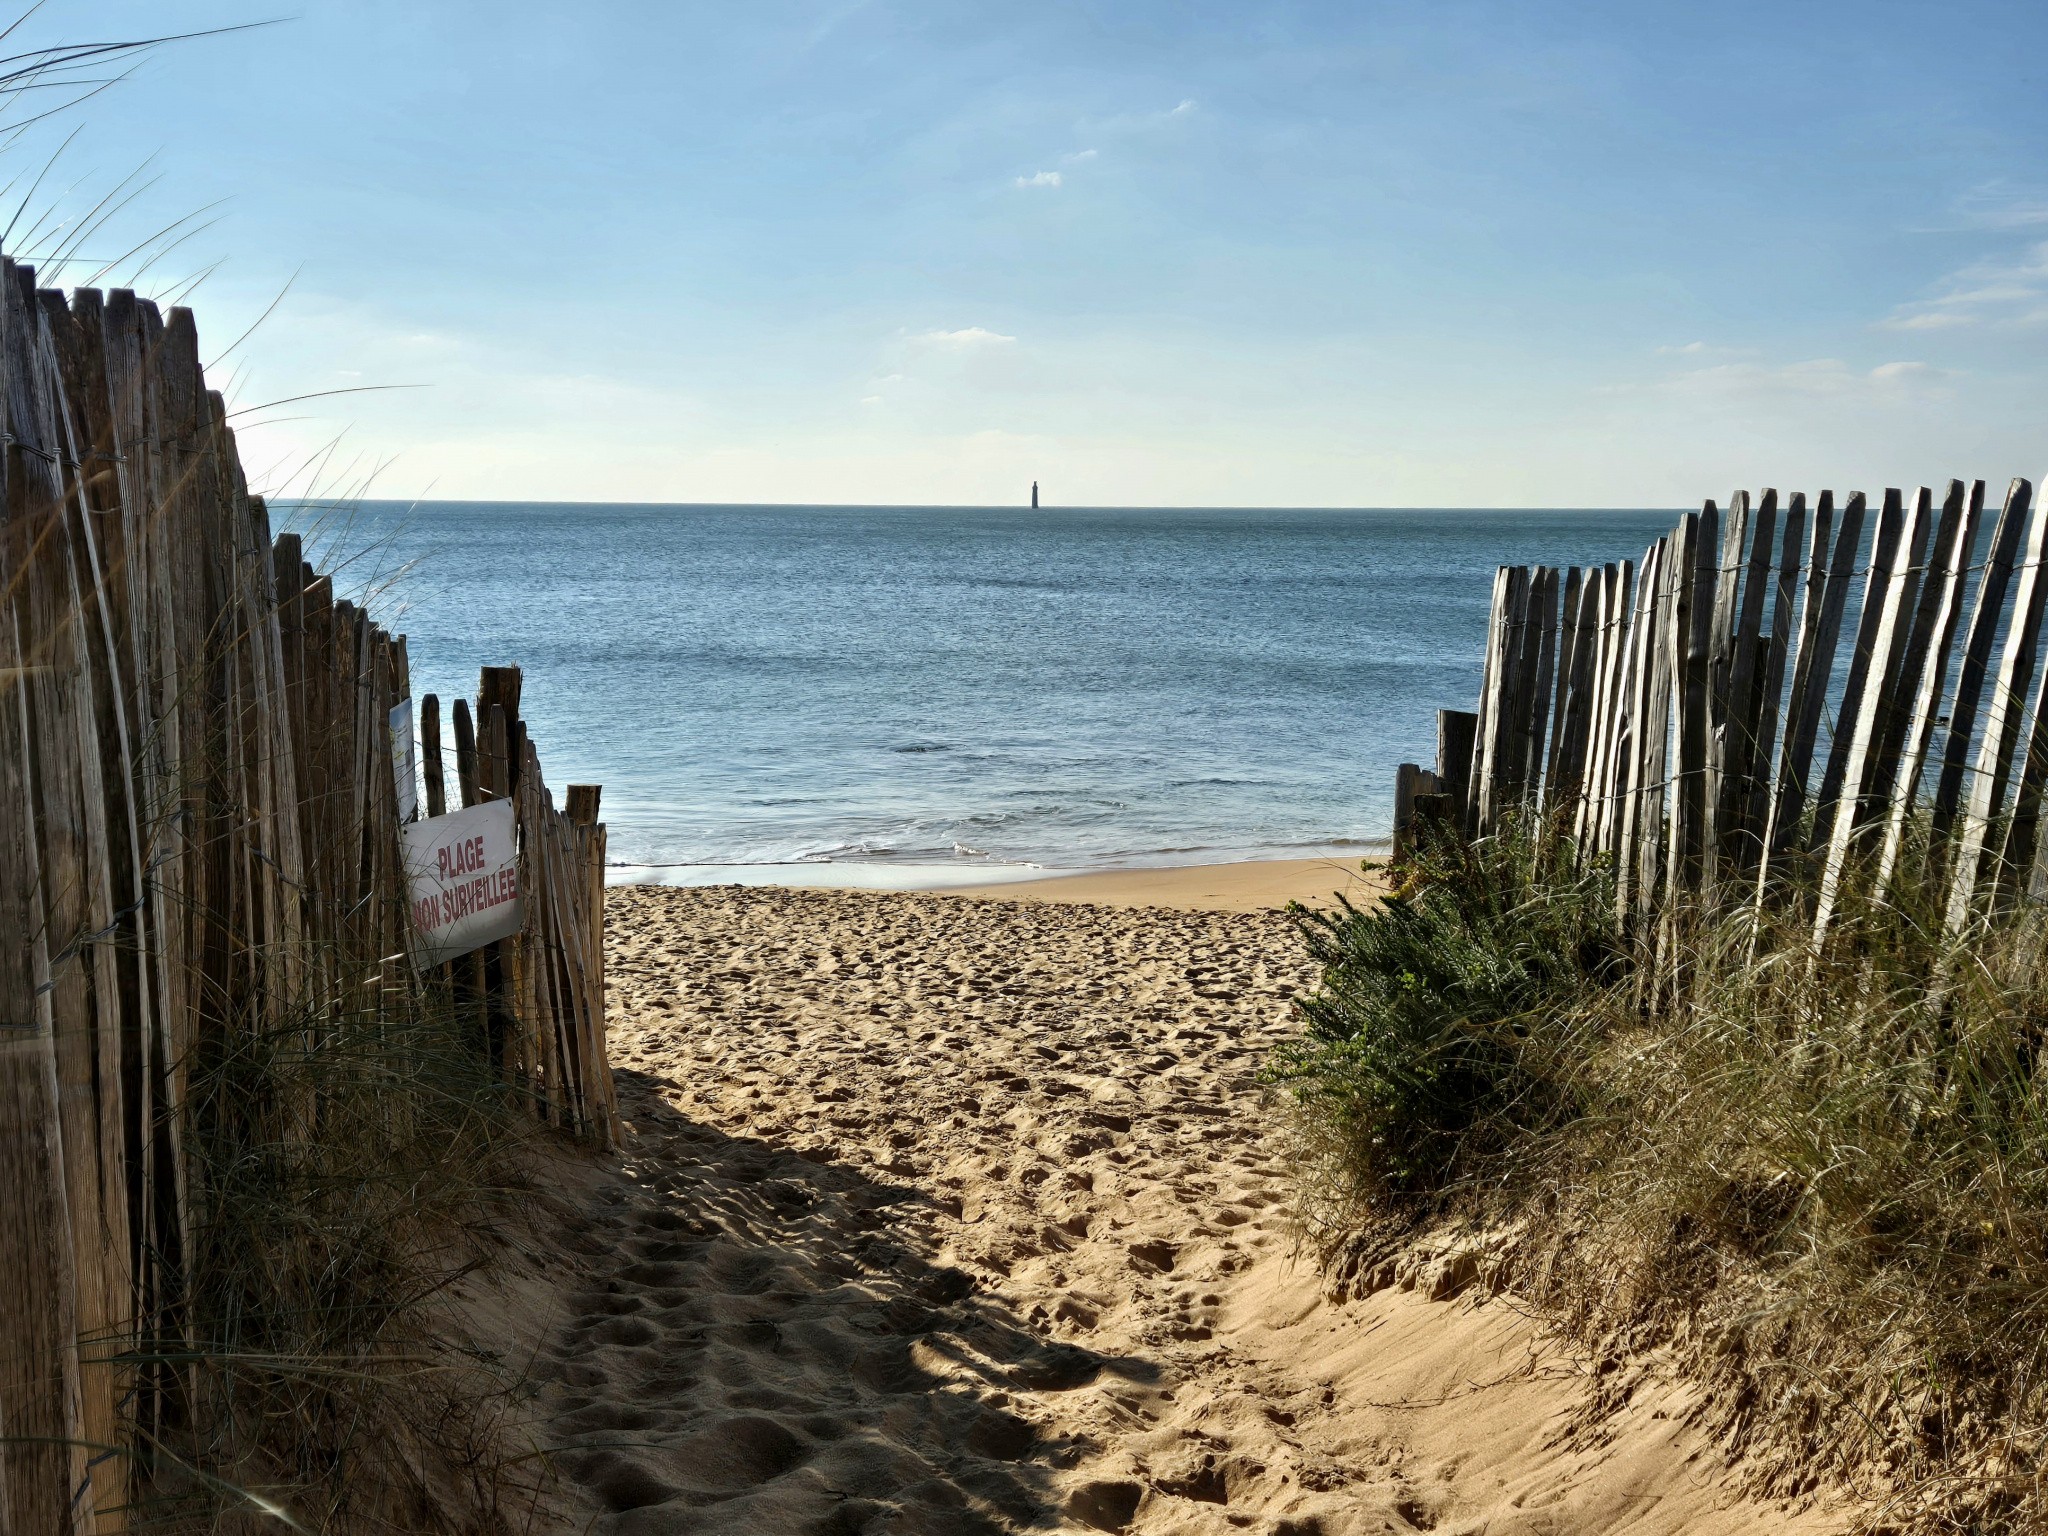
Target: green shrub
x: 1423, y: 1047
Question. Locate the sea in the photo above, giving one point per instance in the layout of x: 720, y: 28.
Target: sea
x: 917, y: 697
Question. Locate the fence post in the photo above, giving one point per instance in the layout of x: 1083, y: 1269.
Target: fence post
x: 1456, y: 732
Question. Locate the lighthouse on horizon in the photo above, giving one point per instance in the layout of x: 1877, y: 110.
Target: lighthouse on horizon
x: 1034, y: 494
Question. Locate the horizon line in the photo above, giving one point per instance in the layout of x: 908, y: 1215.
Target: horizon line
x: 953, y: 506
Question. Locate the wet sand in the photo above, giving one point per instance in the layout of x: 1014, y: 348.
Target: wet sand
x: 964, y: 1214
x: 1255, y: 886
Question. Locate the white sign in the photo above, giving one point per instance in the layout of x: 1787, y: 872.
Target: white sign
x: 403, y: 773
x: 463, y: 873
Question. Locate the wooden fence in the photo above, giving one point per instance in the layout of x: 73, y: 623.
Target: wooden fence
x: 198, y: 835
x: 1712, y: 721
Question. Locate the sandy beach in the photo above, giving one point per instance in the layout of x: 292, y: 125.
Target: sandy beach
x: 965, y: 1214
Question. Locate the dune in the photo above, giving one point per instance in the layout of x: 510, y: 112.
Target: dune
x: 956, y: 1214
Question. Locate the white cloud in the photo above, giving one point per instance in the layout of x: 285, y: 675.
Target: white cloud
x: 1997, y: 205
x: 1123, y: 123
x: 1080, y: 155
x: 870, y: 399
x: 1040, y: 179
x: 1815, y: 378
x: 1929, y: 320
x: 971, y: 336
x: 1997, y: 294
x: 2017, y: 215
x: 1702, y: 349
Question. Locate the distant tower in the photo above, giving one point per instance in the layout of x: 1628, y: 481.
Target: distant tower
x: 1034, y: 494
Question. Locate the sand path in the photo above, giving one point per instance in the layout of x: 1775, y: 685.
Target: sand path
x: 961, y: 1216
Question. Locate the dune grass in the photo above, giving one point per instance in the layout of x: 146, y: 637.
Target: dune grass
x: 349, y: 1169
x: 1819, y: 1176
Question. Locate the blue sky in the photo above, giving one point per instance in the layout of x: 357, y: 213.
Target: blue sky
x: 1146, y: 253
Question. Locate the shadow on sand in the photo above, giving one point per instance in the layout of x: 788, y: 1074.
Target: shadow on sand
x: 762, y: 1345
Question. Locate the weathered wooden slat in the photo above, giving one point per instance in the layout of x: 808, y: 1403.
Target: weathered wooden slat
x: 1941, y: 607
x: 1532, y: 686
x: 107, y: 1315
x: 1726, y: 585
x: 1596, y: 829
x: 582, y: 809
x: 71, y: 860
x: 1548, y: 679
x: 385, y: 882
x: 1992, y: 587
x: 1515, y: 693
x: 40, y: 1466
x: 1732, y: 748
x: 434, y: 770
x: 1691, y: 663
x: 1497, y: 702
x: 1929, y: 539
x: 113, y: 555
x: 1884, y: 554
x: 1407, y: 784
x: 1594, y: 602
x: 2012, y: 870
x: 1598, y: 602
x: 538, y: 1000
x: 1895, y: 600
x: 76, y: 390
x: 1457, y: 731
x: 319, y: 758
x: 558, y: 976
x: 1567, y: 659
x: 500, y: 687
x: 505, y: 983
x: 1723, y: 641
x: 1486, y: 707
x: 1820, y: 631
x: 1774, y: 650
x: 1577, y: 684
x: 2002, y: 723
x: 1661, y: 660
x: 1629, y: 750
x: 287, y: 850
x: 173, y: 656
x: 577, y: 1044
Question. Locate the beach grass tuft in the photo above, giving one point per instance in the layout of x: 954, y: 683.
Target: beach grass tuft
x: 1817, y: 1177
x: 350, y: 1169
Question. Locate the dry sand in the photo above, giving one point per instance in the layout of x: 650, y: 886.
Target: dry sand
x: 951, y: 1215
